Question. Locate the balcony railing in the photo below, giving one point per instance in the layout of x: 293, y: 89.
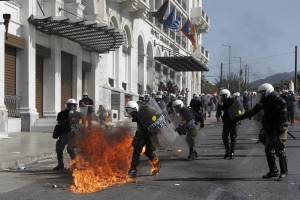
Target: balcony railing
x: 135, y: 5
x: 12, y: 104
x: 202, y: 54
x: 200, y: 19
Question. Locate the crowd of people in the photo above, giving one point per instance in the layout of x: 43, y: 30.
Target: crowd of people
x: 170, y: 112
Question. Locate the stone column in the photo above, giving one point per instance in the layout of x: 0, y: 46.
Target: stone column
x: 145, y: 73
x: 77, y: 75
x: 134, y: 70
x: 129, y: 81
x: 93, y: 83
x: 3, y: 111
x: 28, y: 58
x: 52, y: 79
x: 180, y: 81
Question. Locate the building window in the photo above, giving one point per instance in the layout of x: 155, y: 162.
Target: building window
x: 124, y: 86
x: 157, y: 67
x: 111, y: 82
x: 165, y: 71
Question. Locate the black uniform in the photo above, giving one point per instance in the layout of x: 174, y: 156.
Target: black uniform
x: 230, y: 108
x: 143, y: 137
x: 69, y: 124
x: 188, y: 127
x: 86, y: 101
x: 274, y: 135
x: 197, y: 108
x: 290, y: 106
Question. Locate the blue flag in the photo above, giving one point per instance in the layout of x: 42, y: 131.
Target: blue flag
x: 170, y: 23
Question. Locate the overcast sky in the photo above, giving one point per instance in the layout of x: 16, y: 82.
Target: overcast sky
x: 254, y: 29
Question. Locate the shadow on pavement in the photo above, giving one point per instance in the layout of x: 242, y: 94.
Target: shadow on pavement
x: 216, y: 179
x: 236, y: 155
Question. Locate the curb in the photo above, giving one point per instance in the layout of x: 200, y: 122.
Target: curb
x: 21, y: 162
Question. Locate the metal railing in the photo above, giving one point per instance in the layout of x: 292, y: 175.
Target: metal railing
x: 12, y: 104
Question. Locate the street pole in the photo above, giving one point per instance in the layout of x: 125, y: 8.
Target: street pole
x: 221, y: 76
x: 296, y: 78
x: 248, y: 68
x: 229, y: 63
x: 246, y: 77
x: 240, y: 75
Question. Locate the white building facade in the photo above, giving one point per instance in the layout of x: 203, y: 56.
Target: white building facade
x: 39, y: 71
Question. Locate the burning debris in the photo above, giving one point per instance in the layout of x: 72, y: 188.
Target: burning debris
x: 102, y: 161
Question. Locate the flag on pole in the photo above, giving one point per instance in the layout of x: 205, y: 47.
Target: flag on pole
x: 160, y: 13
x: 189, y: 30
x: 171, y: 23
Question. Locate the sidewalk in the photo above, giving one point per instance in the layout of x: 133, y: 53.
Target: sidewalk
x: 20, y: 149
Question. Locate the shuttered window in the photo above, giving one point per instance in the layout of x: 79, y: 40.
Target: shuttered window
x: 10, y: 70
x: 66, y: 78
x: 39, y: 85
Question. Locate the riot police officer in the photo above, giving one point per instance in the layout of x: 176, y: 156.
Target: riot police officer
x: 187, y: 126
x: 274, y: 134
x: 89, y: 104
x: 69, y: 121
x: 170, y: 104
x: 142, y: 138
x: 197, y: 108
x: 227, y: 110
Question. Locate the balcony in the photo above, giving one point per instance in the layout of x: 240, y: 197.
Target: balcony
x: 202, y: 54
x: 136, y: 6
x: 200, y: 19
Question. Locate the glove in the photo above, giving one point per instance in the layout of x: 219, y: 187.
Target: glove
x: 236, y: 119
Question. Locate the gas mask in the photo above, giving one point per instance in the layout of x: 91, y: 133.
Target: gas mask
x: 71, y: 107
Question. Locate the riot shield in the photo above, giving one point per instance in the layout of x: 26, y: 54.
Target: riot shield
x: 157, y: 122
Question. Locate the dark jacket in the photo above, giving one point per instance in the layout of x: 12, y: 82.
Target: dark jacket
x: 63, y: 121
x: 228, y: 115
x: 275, y: 112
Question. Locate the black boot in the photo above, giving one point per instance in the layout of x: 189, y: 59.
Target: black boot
x: 59, y: 167
x: 226, y: 145
x: 132, y: 173
x: 227, y: 154
x: 232, y: 148
x: 283, y: 167
x: 270, y: 175
x: 193, y: 154
x: 272, y: 167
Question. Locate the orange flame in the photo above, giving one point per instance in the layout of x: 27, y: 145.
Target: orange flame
x: 102, y: 161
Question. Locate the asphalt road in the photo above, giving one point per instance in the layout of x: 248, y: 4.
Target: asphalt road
x: 209, y: 177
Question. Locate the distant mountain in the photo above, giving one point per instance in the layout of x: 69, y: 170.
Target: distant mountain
x: 276, y: 78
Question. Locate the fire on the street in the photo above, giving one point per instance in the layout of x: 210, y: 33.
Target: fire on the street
x: 103, y: 161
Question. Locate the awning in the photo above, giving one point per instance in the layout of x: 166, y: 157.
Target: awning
x: 92, y: 36
x: 182, y: 63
